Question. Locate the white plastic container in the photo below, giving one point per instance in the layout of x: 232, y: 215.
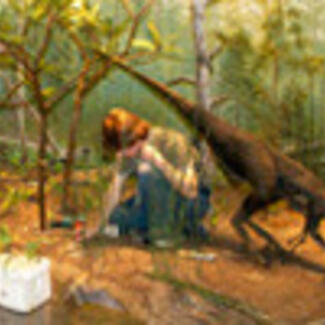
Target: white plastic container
x: 25, y: 284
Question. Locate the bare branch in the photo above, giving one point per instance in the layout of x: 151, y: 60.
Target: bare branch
x: 218, y: 101
x: 203, y: 66
x: 61, y: 93
x: 66, y: 89
x: 181, y: 80
x: 46, y: 40
x: 18, y: 53
x: 77, y: 41
x: 91, y: 81
x: 52, y: 141
x: 11, y: 92
x: 136, y: 23
x: 127, y: 8
x: 4, y: 139
x: 12, y: 105
x: 216, y: 51
x: 6, y: 80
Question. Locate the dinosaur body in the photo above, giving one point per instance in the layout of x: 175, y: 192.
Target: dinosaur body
x: 271, y: 174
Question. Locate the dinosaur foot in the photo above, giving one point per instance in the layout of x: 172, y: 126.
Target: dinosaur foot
x: 261, y: 257
x: 267, y: 255
x: 296, y: 242
x: 272, y: 253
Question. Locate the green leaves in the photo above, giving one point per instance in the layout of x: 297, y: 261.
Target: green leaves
x: 48, y: 92
x: 31, y: 249
x: 144, y: 44
x: 78, y: 15
x: 155, y: 34
x: 5, y: 237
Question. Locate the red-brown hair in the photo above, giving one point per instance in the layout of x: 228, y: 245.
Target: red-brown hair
x: 122, y: 128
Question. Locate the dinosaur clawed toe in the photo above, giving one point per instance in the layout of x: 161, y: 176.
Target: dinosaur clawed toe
x: 268, y: 254
x: 296, y: 241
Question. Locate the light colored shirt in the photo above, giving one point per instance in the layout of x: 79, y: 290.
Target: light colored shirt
x: 171, y: 152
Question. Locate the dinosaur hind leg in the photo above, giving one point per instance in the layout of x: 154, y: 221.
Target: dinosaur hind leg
x: 251, y: 205
x: 313, y: 219
x: 312, y: 226
x: 318, y: 238
x: 238, y: 221
x: 266, y: 235
x: 297, y: 241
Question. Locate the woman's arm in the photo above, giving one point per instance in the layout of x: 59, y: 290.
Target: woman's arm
x: 112, y: 196
x: 183, y: 181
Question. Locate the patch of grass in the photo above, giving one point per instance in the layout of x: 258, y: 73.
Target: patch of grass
x: 214, y: 298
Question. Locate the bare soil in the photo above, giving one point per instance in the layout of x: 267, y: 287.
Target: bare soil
x: 289, y: 293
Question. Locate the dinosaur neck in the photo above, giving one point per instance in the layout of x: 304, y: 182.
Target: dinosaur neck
x: 216, y: 131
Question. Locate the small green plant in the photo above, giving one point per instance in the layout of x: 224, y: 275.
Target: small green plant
x: 32, y: 249
x: 5, y: 238
x: 8, y: 201
x: 14, y: 158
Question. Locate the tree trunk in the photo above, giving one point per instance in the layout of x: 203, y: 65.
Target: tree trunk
x: 202, y: 57
x: 42, y: 170
x: 21, y: 114
x: 42, y: 166
x: 53, y: 144
x: 66, y: 204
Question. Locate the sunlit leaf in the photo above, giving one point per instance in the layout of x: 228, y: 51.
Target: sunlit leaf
x: 47, y: 92
x: 38, y: 12
x: 8, y: 201
x: 13, y: 39
x: 5, y: 237
x: 31, y: 249
x: 155, y: 34
x: 143, y: 44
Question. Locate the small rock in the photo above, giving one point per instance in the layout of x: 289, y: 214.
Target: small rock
x: 81, y: 295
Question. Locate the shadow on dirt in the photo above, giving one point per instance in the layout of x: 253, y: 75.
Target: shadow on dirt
x: 266, y: 256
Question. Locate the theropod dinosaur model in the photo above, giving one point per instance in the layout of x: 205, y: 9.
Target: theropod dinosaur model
x: 271, y: 174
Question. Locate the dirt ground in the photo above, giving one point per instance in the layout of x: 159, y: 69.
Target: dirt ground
x: 288, y: 293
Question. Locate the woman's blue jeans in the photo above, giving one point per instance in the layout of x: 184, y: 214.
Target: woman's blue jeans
x: 157, y: 210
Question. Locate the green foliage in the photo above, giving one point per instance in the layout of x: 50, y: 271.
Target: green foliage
x: 8, y: 200
x: 274, y: 74
x: 13, y: 158
x: 5, y: 237
x: 271, y: 65
x: 31, y: 249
